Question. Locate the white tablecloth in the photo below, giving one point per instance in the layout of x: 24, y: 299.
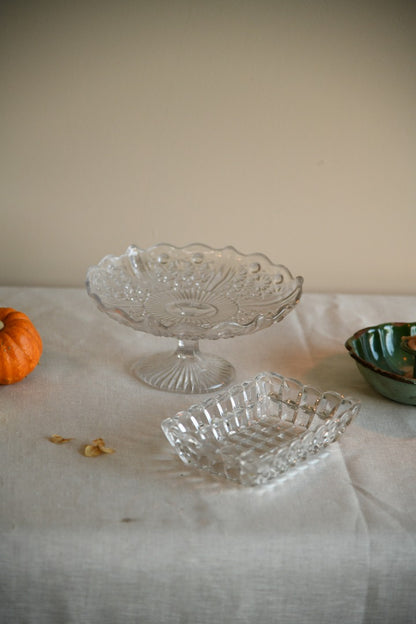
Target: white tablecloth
x: 138, y: 537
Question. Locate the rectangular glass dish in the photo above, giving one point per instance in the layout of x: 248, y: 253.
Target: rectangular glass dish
x: 258, y: 430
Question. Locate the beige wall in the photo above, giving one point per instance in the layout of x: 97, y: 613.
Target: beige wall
x: 283, y: 127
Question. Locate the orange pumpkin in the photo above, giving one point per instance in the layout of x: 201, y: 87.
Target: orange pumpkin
x: 20, y: 346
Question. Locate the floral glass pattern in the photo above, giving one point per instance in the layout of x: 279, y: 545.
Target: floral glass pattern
x: 191, y: 293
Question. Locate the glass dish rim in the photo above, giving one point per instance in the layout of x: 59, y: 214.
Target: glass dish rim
x: 293, y: 295
x: 197, y: 245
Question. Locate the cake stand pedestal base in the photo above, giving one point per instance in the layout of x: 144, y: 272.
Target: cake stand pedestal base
x: 186, y: 370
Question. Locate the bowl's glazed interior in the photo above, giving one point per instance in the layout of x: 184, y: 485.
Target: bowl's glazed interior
x: 386, y: 358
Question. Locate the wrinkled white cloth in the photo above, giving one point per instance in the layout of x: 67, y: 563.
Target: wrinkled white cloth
x: 138, y: 537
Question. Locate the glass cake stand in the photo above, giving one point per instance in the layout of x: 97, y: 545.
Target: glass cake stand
x: 191, y: 293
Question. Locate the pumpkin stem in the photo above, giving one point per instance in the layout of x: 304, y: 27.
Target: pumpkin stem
x: 1, y: 325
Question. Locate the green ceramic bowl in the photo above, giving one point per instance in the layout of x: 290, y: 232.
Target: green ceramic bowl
x: 387, y: 359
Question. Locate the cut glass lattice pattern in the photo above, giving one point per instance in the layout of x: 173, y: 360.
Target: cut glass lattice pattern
x: 259, y: 430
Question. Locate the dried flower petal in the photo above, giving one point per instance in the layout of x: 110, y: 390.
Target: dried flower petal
x: 57, y: 439
x: 106, y: 449
x: 411, y: 343
x: 91, y: 450
x: 98, y: 447
x: 98, y: 442
x: 103, y: 448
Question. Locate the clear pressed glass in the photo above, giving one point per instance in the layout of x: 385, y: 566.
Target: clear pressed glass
x: 259, y: 430
x: 192, y: 293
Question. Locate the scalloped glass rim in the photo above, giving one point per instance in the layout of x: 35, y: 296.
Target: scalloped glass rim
x: 260, y: 429
x: 128, y: 306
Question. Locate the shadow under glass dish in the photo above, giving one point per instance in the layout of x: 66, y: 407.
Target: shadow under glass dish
x: 191, y: 293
